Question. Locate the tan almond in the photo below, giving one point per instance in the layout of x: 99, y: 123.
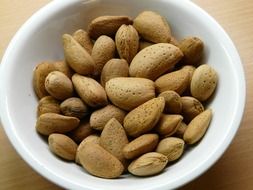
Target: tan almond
x: 204, y: 82
x: 191, y: 107
x: 155, y: 60
x: 39, y: 75
x: 112, y: 69
x: 193, y: 50
x: 144, y: 118
x: 99, y: 162
x: 113, y: 139
x: 76, y: 56
x: 197, y: 127
x: 127, y: 42
x: 107, y: 25
x: 49, y: 123
x: 168, y: 124
x: 181, y: 130
x: 171, y: 147
x: 148, y: 164
x: 129, y: 92
x: 144, y: 44
x: 81, y: 132
x: 103, y: 50
x: 89, y: 90
x: 48, y: 104
x: 173, y: 104
x: 90, y: 139
x: 63, y: 67
x: 62, y: 146
x: 141, y: 145
x: 100, y: 117
x: 176, y: 81
x: 83, y: 38
x: 59, y: 85
x: 152, y: 27
x: 74, y: 107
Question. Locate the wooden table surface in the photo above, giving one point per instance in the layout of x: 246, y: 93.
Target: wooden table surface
x: 233, y: 171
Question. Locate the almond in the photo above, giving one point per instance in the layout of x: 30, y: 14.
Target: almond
x: 152, y: 27
x: 191, y: 107
x: 89, y: 90
x: 103, y: 50
x: 49, y: 123
x: 171, y: 147
x: 82, y: 37
x: 176, y: 81
x: 168, y: 124
x: 127, y: 42
x: 181, y: 130
x: 112, y: 69
x: 39, y: 75
x: 173, y: 102
x: 143, y: 118
x: 141, y: 145
x: 63, y: 67
x: 100, y: 117
x: 99, y: 162
x: 76, y: 56
x: 90, y: 139
x: 192, y: 48
x: 148, y: 164
x: 59, y: 85
x: 129, y: 92
x: 107, y: 25
x: 81, y: 132
x: 204, y: 82
x: 48, y: 104
x: 197, y: 127
x: 113, y: 139
x: 174, y: 41
x: 155, y: 60
x: 62, y: 146
x: 74, y: 107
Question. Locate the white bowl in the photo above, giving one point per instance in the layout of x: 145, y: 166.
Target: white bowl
x: 40, y: 39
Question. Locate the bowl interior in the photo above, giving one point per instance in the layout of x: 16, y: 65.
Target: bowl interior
x: 40, y: 39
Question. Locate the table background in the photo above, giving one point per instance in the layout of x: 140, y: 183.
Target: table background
x: 233, y: 171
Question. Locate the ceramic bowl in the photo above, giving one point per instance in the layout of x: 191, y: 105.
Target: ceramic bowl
x: 40, y: 39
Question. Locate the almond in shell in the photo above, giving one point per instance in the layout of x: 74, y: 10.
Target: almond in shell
x: 171, y: 147
x: 141, y: 145
x: 176, y: 81
x: 148, y: 164
x: 103, y: 50
x: 82, y: 37
x: 48, y: 104
x: 144, y: 118
x: 114, y: 68
x: 100, y: 117
x: 107, y: 25
x: 49, y: 123
x: 155, y: 60
x: 89, y: 90
x: 62, y: 146
x: 129, y: 92
x: 173, y: 102
x: 152, y: 27
x: 76, y: 56
x: 197, y: 127
x: 127, y: 42
x: 99, y: 162
x: 204, y: 82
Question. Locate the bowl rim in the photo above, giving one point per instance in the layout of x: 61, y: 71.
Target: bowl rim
x: 29, y: 158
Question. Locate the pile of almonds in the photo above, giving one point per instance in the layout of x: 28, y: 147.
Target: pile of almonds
x: 128, y: 96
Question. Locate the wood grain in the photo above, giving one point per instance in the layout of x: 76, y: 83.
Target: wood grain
x: 233, y: 171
